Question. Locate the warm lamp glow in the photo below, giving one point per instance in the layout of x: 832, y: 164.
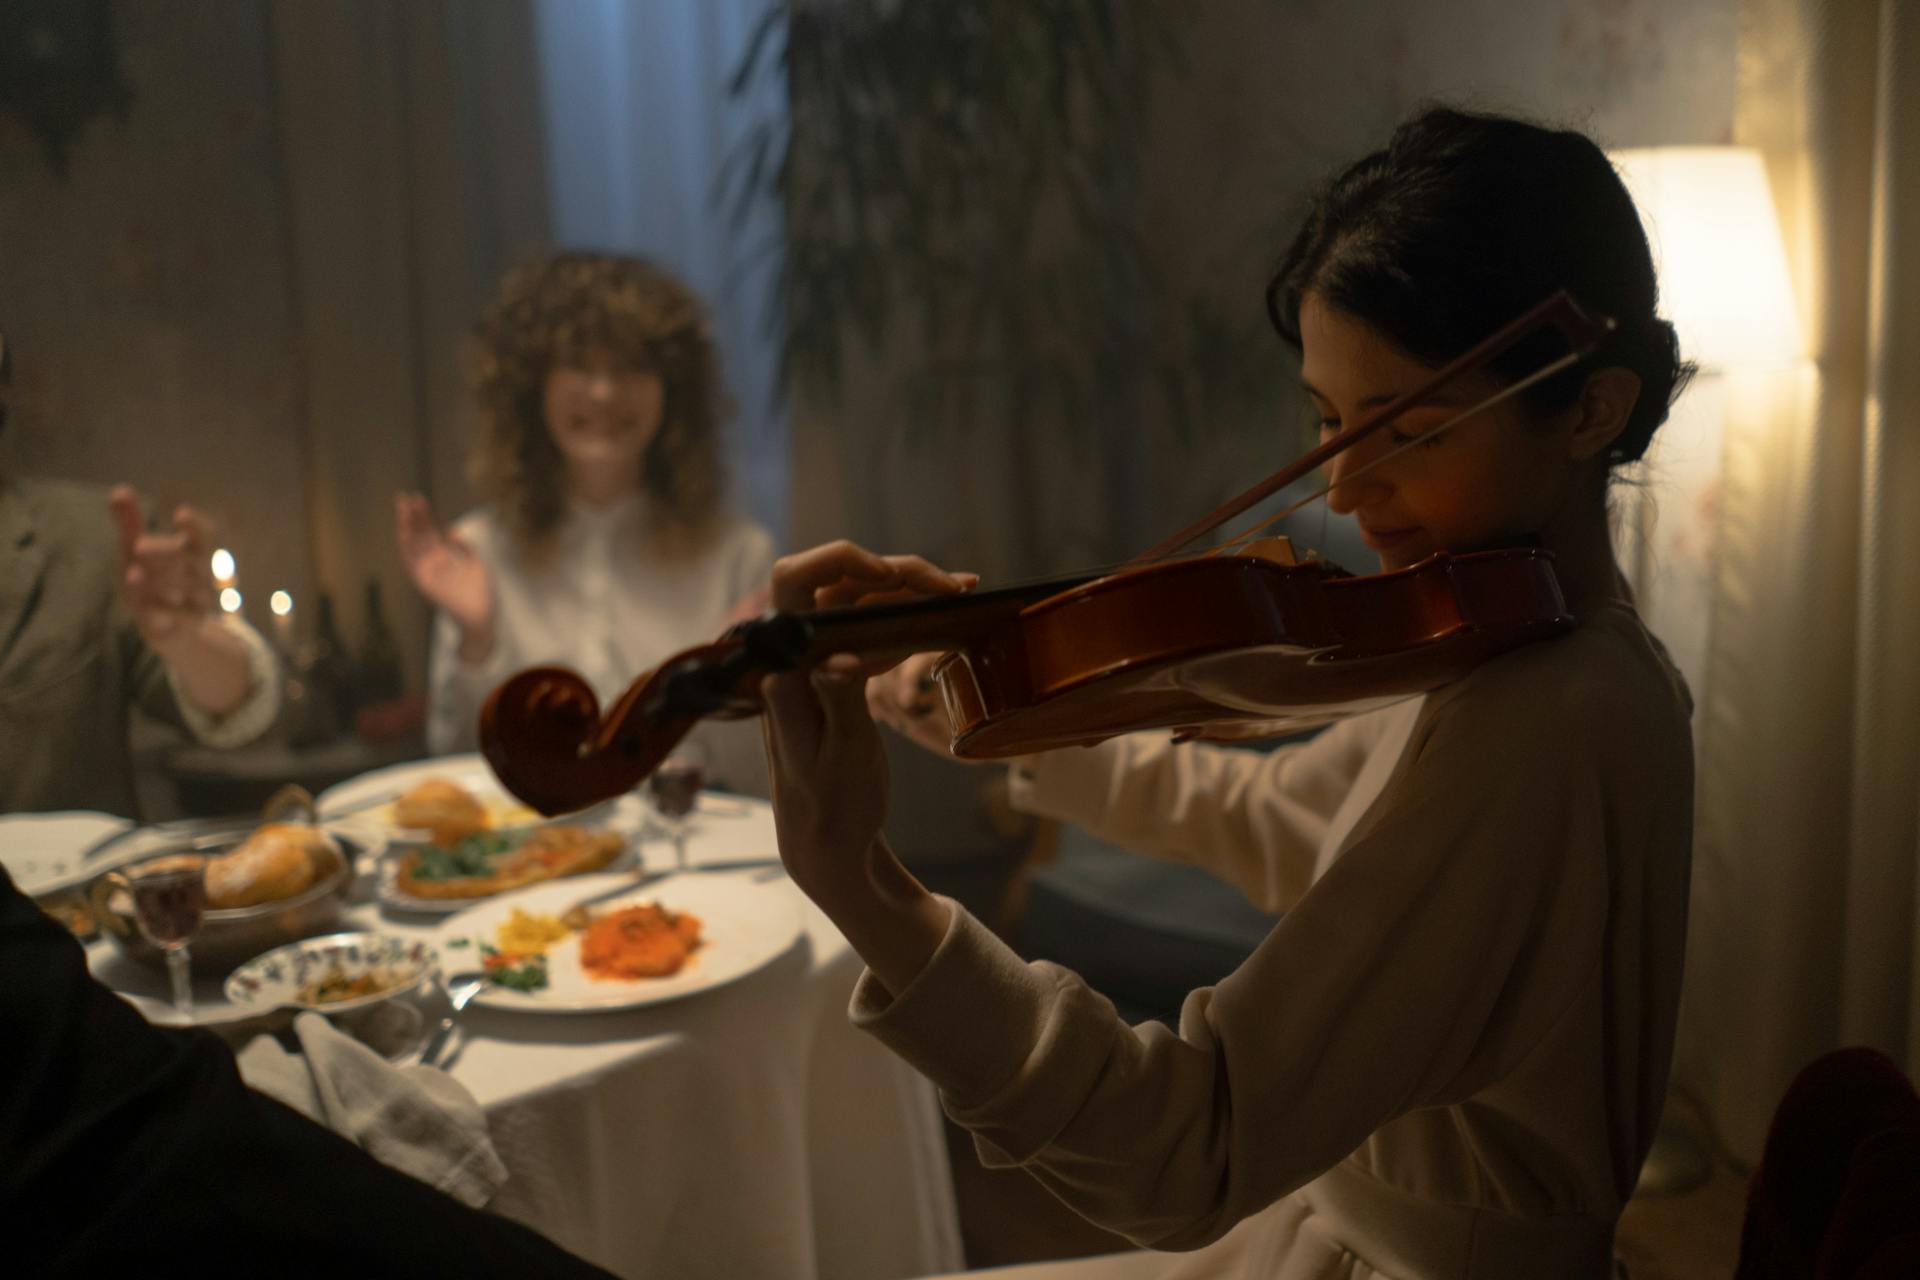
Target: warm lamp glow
x: 281, y: 602
x: 1716, y: 243
x: 230, y: 600
x: 223, y: 566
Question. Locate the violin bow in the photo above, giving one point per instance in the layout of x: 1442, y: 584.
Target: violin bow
x: 1583, y: 329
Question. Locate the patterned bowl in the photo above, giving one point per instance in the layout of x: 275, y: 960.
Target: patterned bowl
x: 324, y: 974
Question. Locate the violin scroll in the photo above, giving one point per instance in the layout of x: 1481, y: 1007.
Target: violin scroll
x: 542, y: 733
x: 548, y: 742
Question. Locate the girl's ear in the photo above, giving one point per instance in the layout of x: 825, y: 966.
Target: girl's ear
x: 1601, y: 413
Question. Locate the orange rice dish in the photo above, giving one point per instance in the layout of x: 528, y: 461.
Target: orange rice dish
x: 646, y: 941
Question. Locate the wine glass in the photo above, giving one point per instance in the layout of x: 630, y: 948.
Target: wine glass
x: 673, y: 793
x: 168, y: 902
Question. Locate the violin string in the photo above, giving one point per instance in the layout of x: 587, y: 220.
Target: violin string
x: 1505, y: 393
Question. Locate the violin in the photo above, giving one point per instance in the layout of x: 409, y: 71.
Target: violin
x: 1241, y: 641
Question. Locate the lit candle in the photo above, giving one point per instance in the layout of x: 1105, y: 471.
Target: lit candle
x: 224, y: 569
x: 282, y: 605
x: 230, y: 601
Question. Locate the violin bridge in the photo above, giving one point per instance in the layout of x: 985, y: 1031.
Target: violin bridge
x: 1278, y: 548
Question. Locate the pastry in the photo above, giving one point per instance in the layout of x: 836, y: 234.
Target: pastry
x: 447, y: 810
x: 277, y: 861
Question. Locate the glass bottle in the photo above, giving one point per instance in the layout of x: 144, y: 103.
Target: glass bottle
x: 331, y: 673
x: 382, y: 678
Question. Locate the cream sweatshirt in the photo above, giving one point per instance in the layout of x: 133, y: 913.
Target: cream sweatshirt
x: 1446, y: 1060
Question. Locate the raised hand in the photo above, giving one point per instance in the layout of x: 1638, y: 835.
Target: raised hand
x: 447, y: 571
x: 165, y: 578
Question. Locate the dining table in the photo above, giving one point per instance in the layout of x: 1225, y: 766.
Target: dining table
x: 744, y: 1130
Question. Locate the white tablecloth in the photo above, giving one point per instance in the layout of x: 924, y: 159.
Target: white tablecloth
x: 745, y: 1131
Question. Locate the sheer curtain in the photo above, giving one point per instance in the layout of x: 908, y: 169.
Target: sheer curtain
x: 638, y: 126
x: 1806, y: 897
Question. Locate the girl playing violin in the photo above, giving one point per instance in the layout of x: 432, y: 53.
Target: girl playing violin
x: 1449, y: 1056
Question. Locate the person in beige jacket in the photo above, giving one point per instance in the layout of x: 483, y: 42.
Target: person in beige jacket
x: 1448, y: 1057
x: 98, y: 615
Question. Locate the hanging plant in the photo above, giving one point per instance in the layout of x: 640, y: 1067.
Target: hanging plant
x: 59, y: 68
x: 961, y: 195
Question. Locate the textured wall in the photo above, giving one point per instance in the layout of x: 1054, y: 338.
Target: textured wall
x: 251, y: 294
x: 147, y: 295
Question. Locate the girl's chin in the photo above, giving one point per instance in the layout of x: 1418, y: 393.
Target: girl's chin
x: 599, y: 454
x: 1402, y: 558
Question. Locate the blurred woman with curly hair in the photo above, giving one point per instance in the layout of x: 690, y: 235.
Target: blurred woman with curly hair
x: 604, y: 542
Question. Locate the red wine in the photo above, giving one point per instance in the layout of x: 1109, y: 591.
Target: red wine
x: 675, y: 787
x: 169, y: 904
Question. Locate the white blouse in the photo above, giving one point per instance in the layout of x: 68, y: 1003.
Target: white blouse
x: 603, y: 605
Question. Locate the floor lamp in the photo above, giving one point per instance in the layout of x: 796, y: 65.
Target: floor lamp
x: 1710, y: 219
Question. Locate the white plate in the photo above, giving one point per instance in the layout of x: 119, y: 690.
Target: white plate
x: 744, y: 925
x: 388, y: 893
x: 273, y: 979
x: 378, y: 788
x: 41, y: 851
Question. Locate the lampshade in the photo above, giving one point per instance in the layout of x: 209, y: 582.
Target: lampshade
x: 1716, y: 242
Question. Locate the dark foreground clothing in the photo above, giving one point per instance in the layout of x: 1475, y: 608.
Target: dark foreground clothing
x: 127, y: 1149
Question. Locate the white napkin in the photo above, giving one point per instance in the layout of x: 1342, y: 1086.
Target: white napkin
x: 418, y: 1120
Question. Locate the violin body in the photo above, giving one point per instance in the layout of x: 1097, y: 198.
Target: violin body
x: 1238, y: 646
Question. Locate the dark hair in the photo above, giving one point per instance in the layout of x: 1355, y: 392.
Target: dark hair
x: 1464, y: 221
x: 561, y: 306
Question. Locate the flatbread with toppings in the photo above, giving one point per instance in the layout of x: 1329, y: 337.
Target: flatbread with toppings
x: 489, y: 862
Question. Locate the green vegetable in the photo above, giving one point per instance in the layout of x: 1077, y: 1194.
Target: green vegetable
x: 473, y: 856
x: 530, y: 974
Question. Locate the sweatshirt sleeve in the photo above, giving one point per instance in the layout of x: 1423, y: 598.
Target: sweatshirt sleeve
x: 1255, y: 820
x: 158, y: 693
x: 1444, y: 942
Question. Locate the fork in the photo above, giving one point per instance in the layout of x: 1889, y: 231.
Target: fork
x: 461, y: 989
x: 576, y: 917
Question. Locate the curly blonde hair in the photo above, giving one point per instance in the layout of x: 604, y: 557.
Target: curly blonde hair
x: 555, y: 309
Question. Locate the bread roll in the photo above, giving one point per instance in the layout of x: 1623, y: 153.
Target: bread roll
x: 277, y: 861
x: 446, y: 809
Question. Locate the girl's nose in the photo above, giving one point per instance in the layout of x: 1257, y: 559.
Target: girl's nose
x: 1353, y: 490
